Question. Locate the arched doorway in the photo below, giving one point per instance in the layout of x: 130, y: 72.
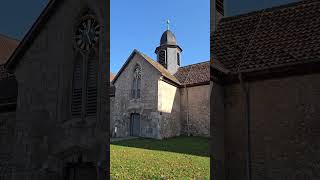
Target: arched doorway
x: 81, y: 171
x: 135, y: 125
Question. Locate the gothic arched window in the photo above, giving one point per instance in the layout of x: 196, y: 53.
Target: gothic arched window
x: 136, y: 84
x: 86, y: 68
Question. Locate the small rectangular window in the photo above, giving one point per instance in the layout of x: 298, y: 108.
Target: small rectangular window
x: 178, y: 59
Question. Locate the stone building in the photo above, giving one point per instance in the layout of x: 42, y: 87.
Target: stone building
x: 59, y: 127
x: 160, y: 99
x: 8, y: 95
x: 266, y: 87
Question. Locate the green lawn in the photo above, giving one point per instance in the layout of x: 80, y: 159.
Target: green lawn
x: 175, y: 158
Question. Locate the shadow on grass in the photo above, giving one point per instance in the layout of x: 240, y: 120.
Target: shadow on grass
x: 198, y: 146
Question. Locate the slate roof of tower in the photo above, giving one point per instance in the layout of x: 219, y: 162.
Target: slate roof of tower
x: 286, y: 35
x: 168, y: 38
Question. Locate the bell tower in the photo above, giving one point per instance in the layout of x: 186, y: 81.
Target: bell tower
x: 217, y: 12
x: 217, y: 8
x: 169, y: 53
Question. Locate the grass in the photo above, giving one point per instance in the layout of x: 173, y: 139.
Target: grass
x: 174, y: 158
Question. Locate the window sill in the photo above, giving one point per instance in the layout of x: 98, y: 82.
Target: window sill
x: 135, y: 100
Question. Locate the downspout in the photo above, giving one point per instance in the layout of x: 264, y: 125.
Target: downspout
x: 187, y: 94
x: 246, y: 101
x: 245, y: 90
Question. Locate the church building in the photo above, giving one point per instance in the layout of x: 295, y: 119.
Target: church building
x: 161, y: 99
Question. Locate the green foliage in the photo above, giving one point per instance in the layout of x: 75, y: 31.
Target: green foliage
x: 175, y: 158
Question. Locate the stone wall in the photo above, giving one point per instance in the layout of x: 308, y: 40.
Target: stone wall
x: 7, y: 122
x: 112, y: 115
x: 46, y: 135
x: 217, y: 115
x: 169, y: 108
x: 195, y: 110
x: 146, y: 105
x: 284, y: 115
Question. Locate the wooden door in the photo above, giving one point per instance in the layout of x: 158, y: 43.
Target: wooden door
x: 135, y: 125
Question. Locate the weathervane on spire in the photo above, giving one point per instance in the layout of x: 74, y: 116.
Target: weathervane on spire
x: 168, y: 23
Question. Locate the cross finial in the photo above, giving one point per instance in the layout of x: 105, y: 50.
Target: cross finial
x: 168, y: 23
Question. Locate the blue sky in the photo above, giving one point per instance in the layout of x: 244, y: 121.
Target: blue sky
x: 138, y: 24
x: 15, y: 19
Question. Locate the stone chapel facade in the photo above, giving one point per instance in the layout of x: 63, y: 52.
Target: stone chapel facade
x: 160, y: 99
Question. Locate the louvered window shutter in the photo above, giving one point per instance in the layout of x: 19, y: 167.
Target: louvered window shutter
x: 220, y: 6
x: 162, y: 58
x: 92, y: 90
x: 76, y: 107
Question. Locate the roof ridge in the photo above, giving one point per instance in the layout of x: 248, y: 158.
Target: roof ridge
x: 268, y: 10
x: 144, y: 54
x: 33, y: 32
x: 276, y: 43
x: 195, y: 64
x: 164, y: 72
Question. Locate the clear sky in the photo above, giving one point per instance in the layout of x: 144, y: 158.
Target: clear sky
x: 17, y: 17
x: 138, y: 24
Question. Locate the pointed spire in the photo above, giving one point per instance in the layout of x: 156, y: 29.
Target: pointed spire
x: 168, y: 24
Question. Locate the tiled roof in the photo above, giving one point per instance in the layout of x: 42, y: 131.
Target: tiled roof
x: 111, y: 76
x: 7, y: 46
x: 8, y: 84
x: 286, y: 35
x: 194, y: 73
